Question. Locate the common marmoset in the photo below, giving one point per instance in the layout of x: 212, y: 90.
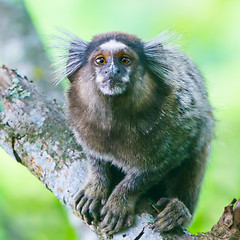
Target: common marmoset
x: 141, y: 107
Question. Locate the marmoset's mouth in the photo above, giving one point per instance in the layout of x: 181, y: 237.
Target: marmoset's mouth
x: 112, y: 88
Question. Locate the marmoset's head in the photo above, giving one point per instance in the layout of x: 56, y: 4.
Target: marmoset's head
x: 114, y: 62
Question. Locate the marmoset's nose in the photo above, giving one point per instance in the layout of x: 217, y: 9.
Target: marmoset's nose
x: 112, y: 72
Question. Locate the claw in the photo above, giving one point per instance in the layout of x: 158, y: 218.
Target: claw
x: 114, y: 222
x: 93, y: 207
x: 85, y: 211
x: 110, y: 226
x: 88, y: 202
x: 174, y: 215
x: 119, y: 224
x: 81, y: 203
x: 106, y: 220
x: 130, y: 221
x: 116, y: 214
x: 78, y: 198
x: 161, y: 226
x: 104, y: 211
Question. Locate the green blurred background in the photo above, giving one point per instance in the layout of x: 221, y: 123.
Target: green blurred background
x: 211, y: 36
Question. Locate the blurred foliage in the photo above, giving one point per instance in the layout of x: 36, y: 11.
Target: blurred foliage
x: 211, y: 37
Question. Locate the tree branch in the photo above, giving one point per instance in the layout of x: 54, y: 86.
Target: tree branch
x: 33, y: 130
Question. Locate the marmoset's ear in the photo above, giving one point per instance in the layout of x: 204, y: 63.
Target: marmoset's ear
x: 156, y: 53
x: 70, y: 56
x: 76, y: 55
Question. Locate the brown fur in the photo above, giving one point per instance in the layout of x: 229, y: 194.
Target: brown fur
x: 130, y: 37
x: 157, y: 133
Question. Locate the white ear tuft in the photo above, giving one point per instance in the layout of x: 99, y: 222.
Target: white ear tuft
x: 69, y: 56
x: 156, y: 49
x: 166, y: 38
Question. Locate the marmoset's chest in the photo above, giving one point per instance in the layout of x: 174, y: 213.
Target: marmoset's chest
x: 130, y: 146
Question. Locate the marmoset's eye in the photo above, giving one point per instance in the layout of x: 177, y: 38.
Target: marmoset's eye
x: 100, y: 60
x: 125, y: 60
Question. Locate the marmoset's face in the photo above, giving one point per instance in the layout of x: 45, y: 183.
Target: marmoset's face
x: 113, y: 62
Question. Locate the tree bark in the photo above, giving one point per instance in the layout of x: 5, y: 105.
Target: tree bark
x: 33, y: 130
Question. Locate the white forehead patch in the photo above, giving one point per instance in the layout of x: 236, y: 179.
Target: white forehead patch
x: 112, y: 45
